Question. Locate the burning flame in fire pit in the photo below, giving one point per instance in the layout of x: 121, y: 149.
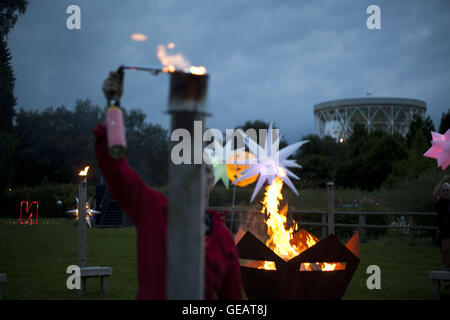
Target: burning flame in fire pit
x: 173, y: 62
x: 281, y: 240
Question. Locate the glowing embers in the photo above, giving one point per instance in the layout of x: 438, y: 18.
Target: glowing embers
x: 287, y: 281
x: 258, y: 264
x: 322, y: 266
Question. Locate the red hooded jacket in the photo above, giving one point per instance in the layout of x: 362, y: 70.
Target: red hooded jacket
x: 147, y: 209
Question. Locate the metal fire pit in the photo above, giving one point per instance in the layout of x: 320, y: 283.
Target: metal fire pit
x: 287, y: 281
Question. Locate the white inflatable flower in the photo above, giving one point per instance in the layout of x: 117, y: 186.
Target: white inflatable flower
x: 270, y: 162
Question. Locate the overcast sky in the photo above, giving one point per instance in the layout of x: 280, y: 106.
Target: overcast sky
x: 269, y: 60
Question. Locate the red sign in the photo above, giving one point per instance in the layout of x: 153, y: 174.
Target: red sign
x: 28, y: 209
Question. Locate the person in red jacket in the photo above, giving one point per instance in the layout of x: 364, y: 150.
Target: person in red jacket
x: 148, y: 210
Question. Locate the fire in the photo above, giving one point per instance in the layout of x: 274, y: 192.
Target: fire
x: 84, y: 172
x: 139, y: 37
x: 279, y: 237
x: 172, y: 62
x: 281, y: 240
x: 197, y: 70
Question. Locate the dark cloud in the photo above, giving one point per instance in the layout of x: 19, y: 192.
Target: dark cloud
x: 270, y: 60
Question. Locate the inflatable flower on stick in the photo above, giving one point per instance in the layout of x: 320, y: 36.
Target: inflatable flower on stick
x: 270, y: 162
x: 218, y: 155
x: 440, y: 149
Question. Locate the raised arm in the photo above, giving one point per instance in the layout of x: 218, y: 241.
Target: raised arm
x: 124, y: 184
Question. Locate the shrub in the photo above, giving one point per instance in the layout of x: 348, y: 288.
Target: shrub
x: 47, y: 195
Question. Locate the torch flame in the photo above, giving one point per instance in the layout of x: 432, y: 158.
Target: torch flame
x: 84, y: 172
x: 197, y: 70
x: 172, y: 62
x: 281, y: 240
x: 139, y: 37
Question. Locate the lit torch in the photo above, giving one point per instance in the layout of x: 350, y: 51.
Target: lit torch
x: 187, y: 107
x: 82, y: 195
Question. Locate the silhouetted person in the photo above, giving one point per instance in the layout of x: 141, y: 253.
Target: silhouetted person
x: 148, y: 209
x: 441, y: 198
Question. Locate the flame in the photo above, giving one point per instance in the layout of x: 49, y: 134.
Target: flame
x: 197, y: 70
x: 84, y: 172
x: 281, y: 240
x: 279, y: 237
x: 173, y: 62
x: 139, y: 37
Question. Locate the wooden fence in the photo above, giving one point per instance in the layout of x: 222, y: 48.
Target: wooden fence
x: 236, y: 216
x: 328, y: 219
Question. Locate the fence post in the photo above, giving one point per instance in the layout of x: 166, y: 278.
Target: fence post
x: 411, y: 231
x: 330, y: 192
x: 362, y: 227
x: 324, y: 225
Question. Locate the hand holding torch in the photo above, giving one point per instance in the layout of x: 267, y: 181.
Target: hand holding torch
x: 115, y: 128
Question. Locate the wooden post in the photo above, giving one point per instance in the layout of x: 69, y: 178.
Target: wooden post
x: 436, y: 288
x: 232, y: 208
x: 330, y: 193
x: 362, y: 227
x: 104, y: 284
x: 82, y: 195
x: 185, y: 236
x: 411, y: 230
x: 3, y: 279
x: 324, y: 225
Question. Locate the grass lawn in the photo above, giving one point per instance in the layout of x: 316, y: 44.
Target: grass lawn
x: 35, y: 258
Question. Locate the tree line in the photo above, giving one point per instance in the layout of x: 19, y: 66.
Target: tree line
x: 52, y: 145
x: 370, y: 160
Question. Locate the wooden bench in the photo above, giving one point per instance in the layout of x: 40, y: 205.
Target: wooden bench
x: 436, y: 277
x: 3, y: 279
x: 94, y: 272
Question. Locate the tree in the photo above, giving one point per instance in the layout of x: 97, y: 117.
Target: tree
x: 10, y: 10
x: 367, y: 159
x: 326, y: 146
x: 7, y: 99
x: 445, y: 122
x: 318, y: 160
x: 414, y: 165
x: 147, y: 148
x: 9, y: 13
x: 418, y: 123
x: 56, y: 142
x: 257, y: 125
